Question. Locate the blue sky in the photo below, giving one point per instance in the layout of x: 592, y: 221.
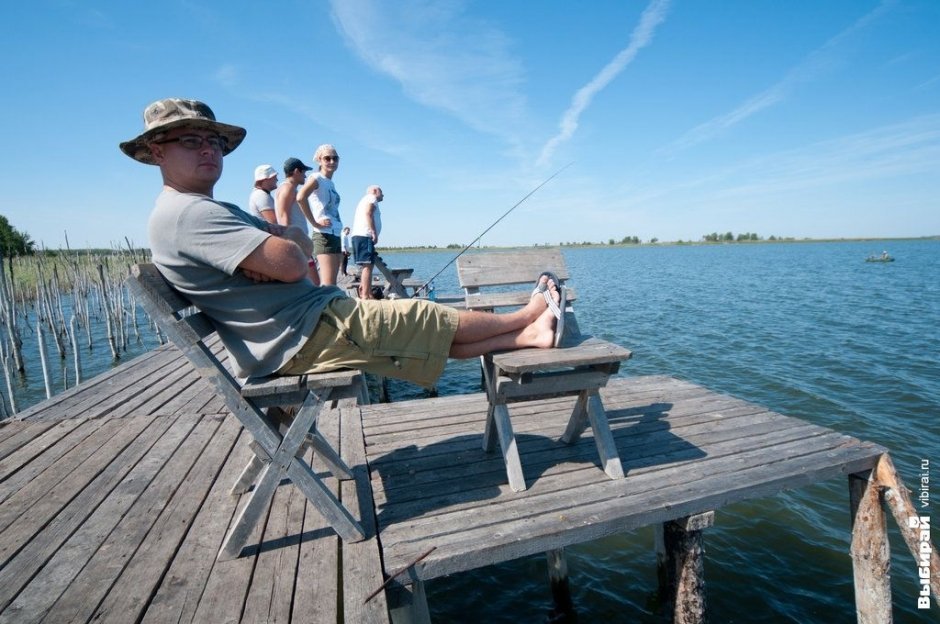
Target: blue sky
x: 681, y: 118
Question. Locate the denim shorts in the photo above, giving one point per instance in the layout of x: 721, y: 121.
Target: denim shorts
x: 406, y: 339
x: 363, y: 250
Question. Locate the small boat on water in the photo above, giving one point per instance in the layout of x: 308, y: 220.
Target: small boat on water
x: 884, y: 257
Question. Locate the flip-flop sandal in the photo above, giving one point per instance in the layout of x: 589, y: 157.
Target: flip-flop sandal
x: 558, y: 309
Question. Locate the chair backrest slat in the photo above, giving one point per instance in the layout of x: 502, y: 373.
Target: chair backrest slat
x: 505, y: 268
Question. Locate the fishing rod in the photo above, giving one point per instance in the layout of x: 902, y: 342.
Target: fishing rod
x: 424, y: 286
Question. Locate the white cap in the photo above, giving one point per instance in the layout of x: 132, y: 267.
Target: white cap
x: 263, y: 172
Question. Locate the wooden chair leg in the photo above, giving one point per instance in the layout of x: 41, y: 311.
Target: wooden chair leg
x: 507, y: 442
x: 603, y: 438
x: 251, y: 512
x: 330, y: 457
x: 325, y: 502
x: 578, y: 421
x: 247, y: 477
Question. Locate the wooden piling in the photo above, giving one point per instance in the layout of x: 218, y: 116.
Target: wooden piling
x: 563, y: 609
x: 681, y: 567
x: 871, y: 553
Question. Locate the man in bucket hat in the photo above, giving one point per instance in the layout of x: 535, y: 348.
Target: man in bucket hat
x: 250, y: 276
x: 260, y: 202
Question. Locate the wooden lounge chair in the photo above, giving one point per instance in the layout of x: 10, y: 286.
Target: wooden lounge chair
x: 276, y: 454
x: 581, y: 366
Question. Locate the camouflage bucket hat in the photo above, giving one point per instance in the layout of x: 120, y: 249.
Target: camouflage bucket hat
x: 164, y: 115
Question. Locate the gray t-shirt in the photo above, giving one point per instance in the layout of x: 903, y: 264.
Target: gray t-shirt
x: 198, y: 243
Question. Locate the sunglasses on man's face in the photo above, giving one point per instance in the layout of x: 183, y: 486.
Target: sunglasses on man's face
x: 195, y: 142
x: 330, y: 158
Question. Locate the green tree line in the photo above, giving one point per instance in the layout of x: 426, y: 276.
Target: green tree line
x: 13, y: 242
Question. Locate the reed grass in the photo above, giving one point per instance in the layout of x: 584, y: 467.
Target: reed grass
x: 36, y: 291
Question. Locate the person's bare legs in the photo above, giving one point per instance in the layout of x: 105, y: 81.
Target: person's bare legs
x: 365, y: 282
x: 484, y: 332
x: 329, y: 268
x: 313, y: 273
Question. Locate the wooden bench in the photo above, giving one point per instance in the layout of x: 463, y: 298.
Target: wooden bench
x: 276, y: 454
x: 581, y: 366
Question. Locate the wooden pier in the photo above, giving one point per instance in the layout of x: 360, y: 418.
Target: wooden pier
x: 114, y: 496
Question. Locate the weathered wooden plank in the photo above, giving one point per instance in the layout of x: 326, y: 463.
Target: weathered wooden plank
x: 21, y: 436
x: 130, y: 595
x: 27, y: 508
x: 124, y: 520
x: 645, y: 480
x: 59, y: 407
x: 223, y: 597
x: 565, y: 479
x: 39, y: 440
x: 520, y: 266
x: 492, y: 300
x: 317, y: 595
x: 59, y: 459
x: 266, y: 601
x: 586, y: 351
x: 362, y: 564
x: 178, y: 596
x: 10, y: 426
x: 93, y: 392
x: 426, y: 450
x: 78, y: 498
x: 525, y: 536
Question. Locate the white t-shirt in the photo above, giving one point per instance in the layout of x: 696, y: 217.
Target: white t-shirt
x: 259, y: 201
x: 324, y: 202
x: 361, y: 222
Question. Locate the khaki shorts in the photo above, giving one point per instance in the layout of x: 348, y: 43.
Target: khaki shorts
x: 403, y: 338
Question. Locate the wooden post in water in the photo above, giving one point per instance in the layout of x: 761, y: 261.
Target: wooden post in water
x: 563, y: 610
x: 681, y: 567
x: 42, y: 358
x: 915, y: 534
x: 73, y: 335
x: 5, y: 357
x: 871, y: 553
x: 107, y: 313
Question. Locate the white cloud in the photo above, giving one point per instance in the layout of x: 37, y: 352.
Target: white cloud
x: 816, y: 64
x: 442, y: 58
x: 654, y: 14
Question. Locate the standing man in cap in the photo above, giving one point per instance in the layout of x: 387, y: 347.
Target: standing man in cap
x: 289, y: 211
x: 260, y: 202
x: 249, y: 276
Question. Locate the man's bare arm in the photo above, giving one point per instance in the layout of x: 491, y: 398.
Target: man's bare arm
x: 282, y: 257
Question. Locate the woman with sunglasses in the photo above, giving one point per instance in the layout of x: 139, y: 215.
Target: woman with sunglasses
x: 319, y: 202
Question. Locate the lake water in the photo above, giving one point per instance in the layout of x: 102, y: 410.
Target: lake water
x: 807, y: 329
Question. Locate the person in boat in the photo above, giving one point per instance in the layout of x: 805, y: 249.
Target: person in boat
x: 884, y: 255
x: 250, y: 276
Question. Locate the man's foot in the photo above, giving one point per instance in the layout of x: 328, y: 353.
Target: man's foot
x: 537, y: 303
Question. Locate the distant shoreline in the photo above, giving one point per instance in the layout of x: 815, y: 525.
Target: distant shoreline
x: 584, y: 245
x: 699, y: 243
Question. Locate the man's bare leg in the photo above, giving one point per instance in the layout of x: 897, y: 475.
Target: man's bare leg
x: 483, y: 332
x: 365, y: 282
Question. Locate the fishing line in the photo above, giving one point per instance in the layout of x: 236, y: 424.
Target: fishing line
x: 492, y: 225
